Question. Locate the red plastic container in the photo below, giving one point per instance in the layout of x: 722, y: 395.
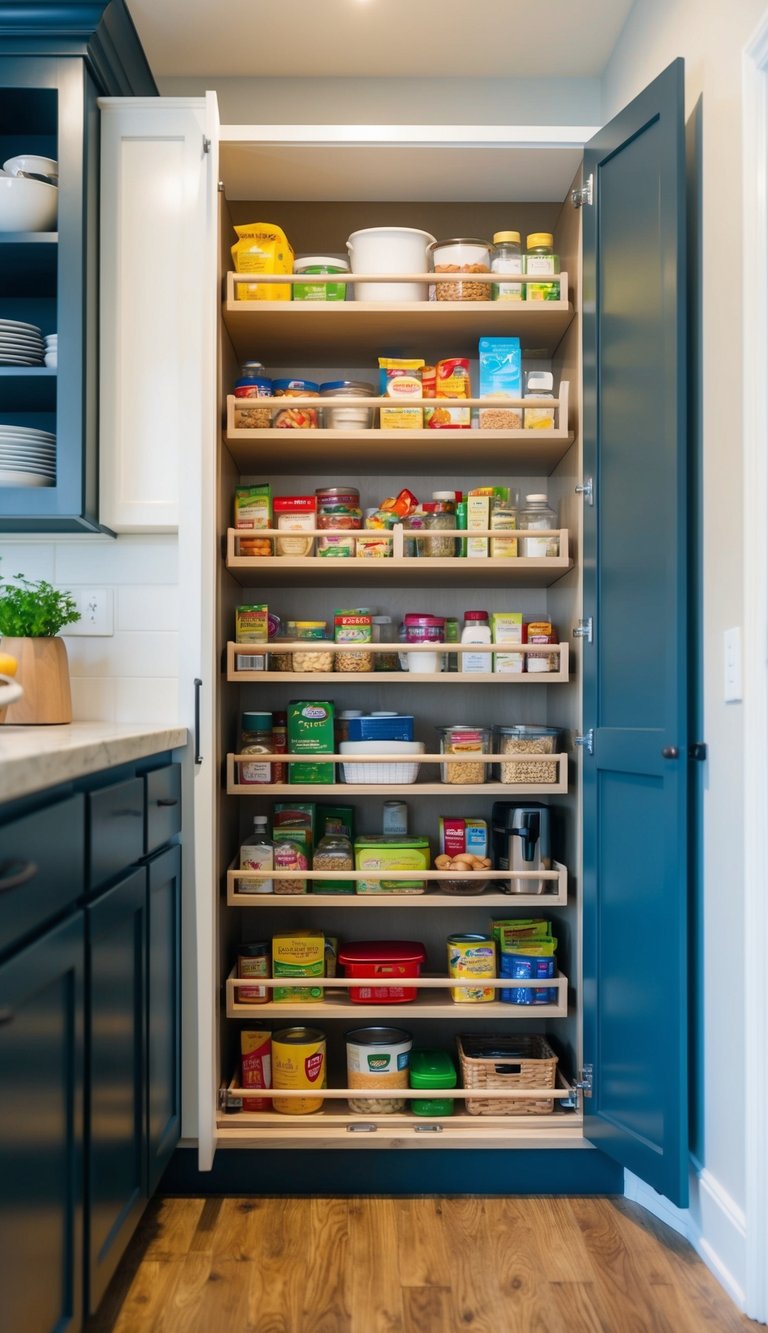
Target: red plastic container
x: 387, y: 959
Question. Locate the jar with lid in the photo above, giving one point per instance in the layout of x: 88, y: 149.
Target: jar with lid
x: 256, y: 740
x: 252, y: 382
x: 421, y: 628
x: 537, y: 514
x: 503, y: 519
x: 539, y: 384
x: 507, y: 257
x: 463, y: 255
x: 381, y: 628
x: 541, y: 260
x: 319, y: 265
x: 468, y: 742
x: 333, y: 852
x: 441, y: 517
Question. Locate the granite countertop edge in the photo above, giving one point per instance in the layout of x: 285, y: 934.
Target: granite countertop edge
x: 34, y: 758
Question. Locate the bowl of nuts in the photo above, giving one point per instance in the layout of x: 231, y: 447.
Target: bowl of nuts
x: 465, y: 257
x: 466, y: 864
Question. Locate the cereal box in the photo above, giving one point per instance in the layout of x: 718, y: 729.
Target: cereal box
x: 400, y: 379
x: 500, y: 378
x: 310, y: 732
x: 507, y: 628
x: 299, y: 954
x: 251, y: 623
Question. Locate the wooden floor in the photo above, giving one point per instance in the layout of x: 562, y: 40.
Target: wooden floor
x: 411, y: 1265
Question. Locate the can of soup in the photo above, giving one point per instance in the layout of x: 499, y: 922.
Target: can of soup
x: 378, y: 1058
x: 298, y: 1061
x: 472, y: 957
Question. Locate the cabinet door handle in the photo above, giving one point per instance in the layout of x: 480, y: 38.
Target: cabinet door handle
x: 168, y: 800
x: 198, y: 687
x: 670, y: 752
x: 15, y: 873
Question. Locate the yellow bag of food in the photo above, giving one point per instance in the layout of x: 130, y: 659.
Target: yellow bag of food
x: 262, y: 247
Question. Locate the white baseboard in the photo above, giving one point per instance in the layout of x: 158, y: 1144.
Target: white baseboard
x: 714, y: 1225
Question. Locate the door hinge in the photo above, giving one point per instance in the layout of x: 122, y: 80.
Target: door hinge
x: 698, y: 750
x: 585, y: 195
x: 584, y: 1083
x: 587, y: 490
x: 583, y: 630
x: 587, y: 741
x: 206, y: 144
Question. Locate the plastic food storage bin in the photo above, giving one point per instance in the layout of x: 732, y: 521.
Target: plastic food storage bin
x: 384, y: 959
x: 468, y: 742
x: 430, y: 1070
x: 401, y: 770
x: 514, y: 743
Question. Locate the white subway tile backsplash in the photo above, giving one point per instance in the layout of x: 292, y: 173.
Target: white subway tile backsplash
x: 149, y: 700
x: 147, y: 608
x: 125, y: 655
x: 93, y: 699
x: 128, y: 559
x: 34, y: 562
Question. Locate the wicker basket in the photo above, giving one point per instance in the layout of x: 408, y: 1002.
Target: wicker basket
x: 490, y: 1063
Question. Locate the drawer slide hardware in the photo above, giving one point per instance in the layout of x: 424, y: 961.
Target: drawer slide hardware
x: 587, y: 741
x: 428, y: 1129
x: 364, y: 1128
x: 584, y: 630
x: 587, y: 490
x: 585, y: 195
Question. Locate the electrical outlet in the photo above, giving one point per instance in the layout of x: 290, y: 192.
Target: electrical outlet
x: 96, y: 612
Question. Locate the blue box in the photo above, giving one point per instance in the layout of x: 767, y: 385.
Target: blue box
x: 500, y: 367
x: 371, y: 728
x: 523, y: 967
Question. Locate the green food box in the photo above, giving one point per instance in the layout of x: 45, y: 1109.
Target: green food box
x: 310, y: 732
x: 391, y: 853
x: 428, y: 1070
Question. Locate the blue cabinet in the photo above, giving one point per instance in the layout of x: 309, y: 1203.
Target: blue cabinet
x: 41, y: 1132
x: 163, y: 1011
x: 50, y: 81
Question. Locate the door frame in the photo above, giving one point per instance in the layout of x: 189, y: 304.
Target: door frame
x: 755, y: 657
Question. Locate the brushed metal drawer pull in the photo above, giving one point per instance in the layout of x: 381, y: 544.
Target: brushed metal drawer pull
x: 168, y: 800
x: 27, y: 871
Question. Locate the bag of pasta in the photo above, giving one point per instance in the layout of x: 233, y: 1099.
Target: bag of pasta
x: 262, y: 247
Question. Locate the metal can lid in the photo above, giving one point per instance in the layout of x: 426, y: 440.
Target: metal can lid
x: 378, y: 1036
x: 297, y: 1036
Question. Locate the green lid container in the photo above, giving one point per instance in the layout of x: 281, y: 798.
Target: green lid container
x: 432, y: 1069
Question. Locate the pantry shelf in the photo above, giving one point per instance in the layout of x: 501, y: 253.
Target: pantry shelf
x: 434, y: 1000
x: 555, y: 895
x: 395, y: 572
x: 492, y: 789
x: 332, y: 1129
x: 236, y: 651
x: 329, y: 333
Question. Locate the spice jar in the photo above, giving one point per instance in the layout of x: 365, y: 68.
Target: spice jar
x: 334, y: 852
x: 507, y: 257
x: 538, y: 514
x: 421, y: 628
x: 466, y: 741
x: 441, y: 517
x: 540, y: 259
x: 256, y: 739
x: 460, y: 255
x: 381, y: 627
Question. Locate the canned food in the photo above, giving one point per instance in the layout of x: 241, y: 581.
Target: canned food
x: 331, y: 496
x: 298, y: 1061
x: 472, y: 956
x: 378, y: 1058
x: 254, y: 960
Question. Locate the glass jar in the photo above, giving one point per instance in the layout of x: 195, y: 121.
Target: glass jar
x: 252, y: 383
x: 503, y: 519
x: 381, y: 628
x: 441, y: 517
x: 420, y: 628
x: 515, y: 743
x: 341, y: 417
x: 460, y: 255
x: 469, y: 742
x: 540, y: 259
x: 537, y: 513
x: 333, y: 852
x: 414, y: 522
x: 344, y: 520
x: 256, y: 740
x: 507, y: 257
x: 539, y: 384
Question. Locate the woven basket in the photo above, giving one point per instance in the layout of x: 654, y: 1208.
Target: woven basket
x: 489, y: 1063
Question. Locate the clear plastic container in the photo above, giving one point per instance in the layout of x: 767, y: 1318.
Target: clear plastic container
x: 514, y: 743
x: 468, y: 742
x: 538, y: 513
x: 440, y: 517
x: 460, y: 255
x: 341, y: 417
x: 420, y: 628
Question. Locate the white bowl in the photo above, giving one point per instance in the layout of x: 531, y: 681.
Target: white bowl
x: 384, y: 772
x: 27, y: 205
x: 44, y: 166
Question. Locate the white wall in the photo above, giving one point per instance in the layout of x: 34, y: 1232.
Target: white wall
x: 131, y: 676
x: 424, y: 101
x: 711, y: 37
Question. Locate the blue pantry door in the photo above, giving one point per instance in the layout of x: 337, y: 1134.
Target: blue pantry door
x: 635, y: 670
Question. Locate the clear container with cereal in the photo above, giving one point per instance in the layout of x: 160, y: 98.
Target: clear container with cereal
x: 469, y: 742
x: 514, y: 744
x: 462, y: 255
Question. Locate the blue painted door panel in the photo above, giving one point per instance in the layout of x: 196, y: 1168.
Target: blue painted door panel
x: 116, y: 1100
x: 41, y: 1133
x: 163, y: 1012
x: 635, y: 672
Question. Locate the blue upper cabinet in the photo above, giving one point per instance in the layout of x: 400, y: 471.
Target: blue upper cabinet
x: 55, y: 61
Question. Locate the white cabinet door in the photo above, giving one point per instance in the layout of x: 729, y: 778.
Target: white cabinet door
x: 155, y: 188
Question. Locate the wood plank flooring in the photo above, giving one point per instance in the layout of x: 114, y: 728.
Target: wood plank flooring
x: 410, y: 1265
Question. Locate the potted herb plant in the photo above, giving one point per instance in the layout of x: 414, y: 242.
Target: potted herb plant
x: 31, y: 615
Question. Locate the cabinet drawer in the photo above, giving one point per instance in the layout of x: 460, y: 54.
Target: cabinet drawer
x: 42, y: 867
x: 116, y: 830
x: 163, y: 805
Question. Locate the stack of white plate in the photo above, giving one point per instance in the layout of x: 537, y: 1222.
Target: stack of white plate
x: 20, y: 344
x: 52, y: 350
x: 27, y: 456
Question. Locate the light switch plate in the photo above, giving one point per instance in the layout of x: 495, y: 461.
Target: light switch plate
x: 732, y: 683
x: 96, y: 613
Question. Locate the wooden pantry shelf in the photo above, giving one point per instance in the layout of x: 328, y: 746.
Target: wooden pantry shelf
x: 492, y: 789
x: 332, y: 333
x: 332, y: 1129
x: 433, y: 1001
x: 556, y: 878
x: 236, y: 651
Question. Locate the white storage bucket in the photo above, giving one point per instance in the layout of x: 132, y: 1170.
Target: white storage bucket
x: 389, y: 250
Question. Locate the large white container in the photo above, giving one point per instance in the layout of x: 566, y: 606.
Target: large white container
x: 389, y: 250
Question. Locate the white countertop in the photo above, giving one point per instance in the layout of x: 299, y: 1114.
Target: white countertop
x: 33, y: 758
